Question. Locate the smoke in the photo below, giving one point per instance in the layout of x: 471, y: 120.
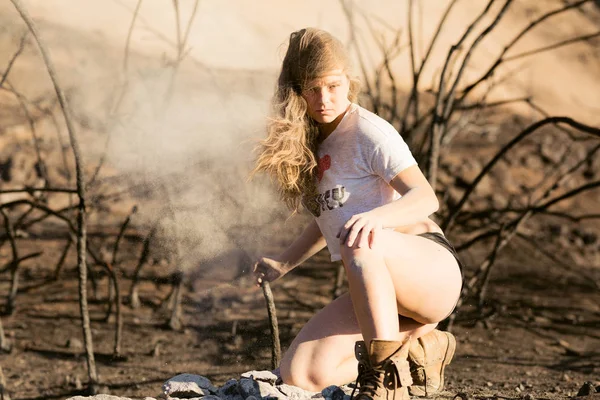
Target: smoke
x: 177, y: 140
x: 188, y: 138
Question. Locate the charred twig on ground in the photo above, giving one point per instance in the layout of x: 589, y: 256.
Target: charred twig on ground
x: 3, y: 392
x: 81, y: 217
x: 119, y: 319
x: 14, y: 264
x: 63, y: 256
x: 134, y: 298
x: 276, y: 345
x: 113, y: 265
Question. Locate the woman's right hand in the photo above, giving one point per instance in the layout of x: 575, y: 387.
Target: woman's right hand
x: 268, y: 269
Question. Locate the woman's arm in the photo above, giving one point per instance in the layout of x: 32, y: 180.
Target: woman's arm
x: 418, y: 202
x: 309, y: 243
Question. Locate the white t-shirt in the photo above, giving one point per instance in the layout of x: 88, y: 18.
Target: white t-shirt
x: 356, y: 163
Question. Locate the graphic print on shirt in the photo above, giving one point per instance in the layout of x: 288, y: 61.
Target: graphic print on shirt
x: 324, y: 165
x: 326, y: 201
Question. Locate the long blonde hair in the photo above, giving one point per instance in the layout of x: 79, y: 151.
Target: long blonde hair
x: 288, y: 154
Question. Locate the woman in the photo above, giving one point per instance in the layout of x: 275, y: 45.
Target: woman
x: 371, y: 205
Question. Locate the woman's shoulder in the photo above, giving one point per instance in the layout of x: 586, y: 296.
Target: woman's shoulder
x: 372, y: 125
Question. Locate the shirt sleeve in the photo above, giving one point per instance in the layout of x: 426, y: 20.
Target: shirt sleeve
x: 391, y: 157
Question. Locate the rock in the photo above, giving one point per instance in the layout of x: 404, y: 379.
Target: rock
x: 587, y: 389
x: 266, y: 390
x: 295, y: 393
x: 188, y: 385
x: 99, y: 397
x: 230, y: 388
x: 74, y: 344
x: 248, y: 387
x: 264, y: 376
x: 334, y: 393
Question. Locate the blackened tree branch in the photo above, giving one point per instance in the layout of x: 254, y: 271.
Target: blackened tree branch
x: 447, y: 223
x: 81, y: 217
x: 500, y: 58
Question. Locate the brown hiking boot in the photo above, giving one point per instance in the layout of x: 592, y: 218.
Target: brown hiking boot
x: 383, y: 372
x: 428, y: 356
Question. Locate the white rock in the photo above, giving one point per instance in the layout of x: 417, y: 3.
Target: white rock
x: 295, y: 393
x: 266, y: 390
x: 188, y: 385
x: 99, y: 397
x: 265, y: 376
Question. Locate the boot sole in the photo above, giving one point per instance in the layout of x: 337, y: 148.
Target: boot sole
x: 421, y: 391
x: 447, y: 357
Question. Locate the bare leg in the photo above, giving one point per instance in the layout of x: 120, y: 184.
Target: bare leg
x: 404, y: 274
x: 426, y: 283
x: 323, y: 352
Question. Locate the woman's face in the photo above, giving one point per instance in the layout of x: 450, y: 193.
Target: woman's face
x: 327, y: 96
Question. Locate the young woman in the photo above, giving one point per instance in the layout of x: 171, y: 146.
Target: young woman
x: 371, y: 205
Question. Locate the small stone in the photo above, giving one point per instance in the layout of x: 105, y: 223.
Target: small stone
x: 489, y: 384
x: 295, y: 393
x: 248, y: 387
x: 566, y: 378
x: 267, y: 390
x: 188, y: 385
x: 74, y: 344
x: 328, y: 391
x: 587, y: 389
x: 156, y: 350
x: 228, y: 389
x: 265, y: 376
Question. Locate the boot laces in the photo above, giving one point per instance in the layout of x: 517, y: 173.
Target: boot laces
x: 371, y: 379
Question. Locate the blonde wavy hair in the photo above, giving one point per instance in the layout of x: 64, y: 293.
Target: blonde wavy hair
x: 288, y: 154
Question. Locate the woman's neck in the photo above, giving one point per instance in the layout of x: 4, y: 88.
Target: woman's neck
x: 326, y: 129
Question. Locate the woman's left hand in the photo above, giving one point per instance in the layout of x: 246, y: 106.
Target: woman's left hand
x: 361, y: 229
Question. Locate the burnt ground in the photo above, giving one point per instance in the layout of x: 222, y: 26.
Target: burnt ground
x: 540, y: 335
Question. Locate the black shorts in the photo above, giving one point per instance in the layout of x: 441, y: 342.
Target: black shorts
x: 442, y: 241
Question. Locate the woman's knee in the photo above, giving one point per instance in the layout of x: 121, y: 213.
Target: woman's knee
x: 307, y: 377
x: 359, y: 257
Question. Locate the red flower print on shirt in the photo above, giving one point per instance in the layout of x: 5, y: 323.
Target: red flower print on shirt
x: 324, y: 165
